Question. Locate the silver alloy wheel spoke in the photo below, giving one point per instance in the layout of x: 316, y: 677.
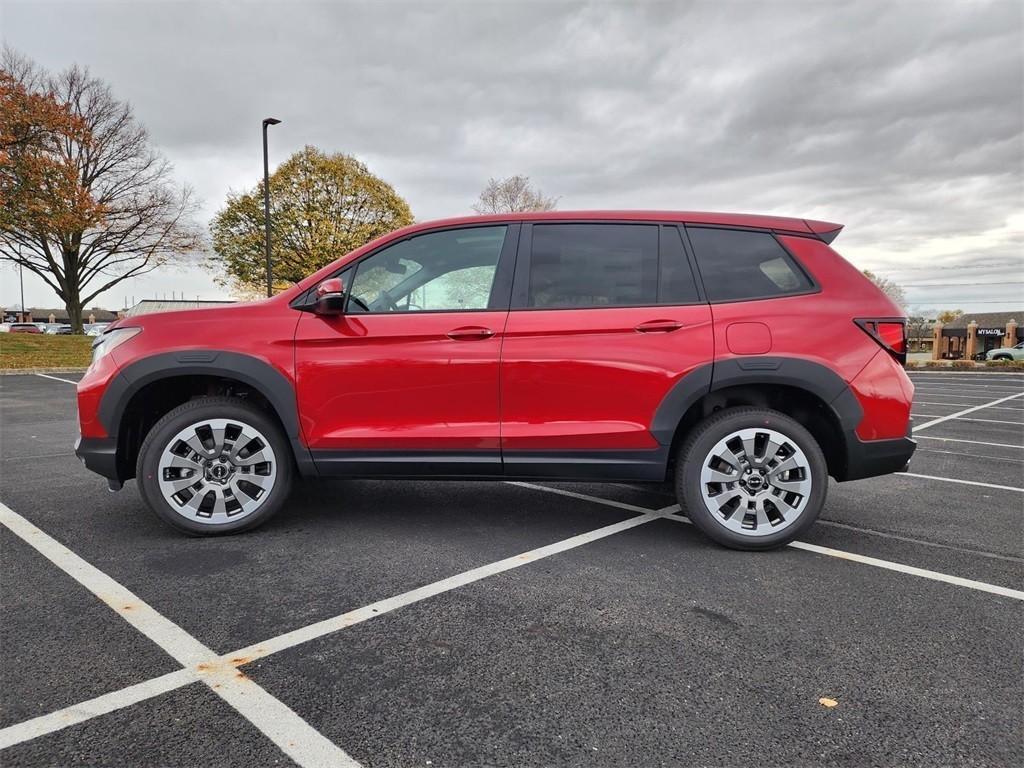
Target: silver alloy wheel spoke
x: 755, y: 494
x: 215, y: 485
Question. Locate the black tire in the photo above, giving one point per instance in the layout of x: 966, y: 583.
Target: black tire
x: 1002, y: 357
x: 703, y: 439
x: 196, y: 411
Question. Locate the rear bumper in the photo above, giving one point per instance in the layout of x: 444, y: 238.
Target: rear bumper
x: 99, y: 454
x: 870, y: 458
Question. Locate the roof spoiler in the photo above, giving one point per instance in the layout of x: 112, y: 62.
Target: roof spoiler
x: 825, y: 230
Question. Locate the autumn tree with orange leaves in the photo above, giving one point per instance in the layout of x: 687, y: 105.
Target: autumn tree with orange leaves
x: 84, y: 201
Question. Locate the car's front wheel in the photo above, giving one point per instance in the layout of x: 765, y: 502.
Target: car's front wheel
x: 215, y: 465
x: 751, y: 478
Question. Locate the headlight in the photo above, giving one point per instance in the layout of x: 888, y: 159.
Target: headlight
x: 106, y: 342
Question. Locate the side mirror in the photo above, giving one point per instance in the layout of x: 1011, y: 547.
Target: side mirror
x: 330, y: 297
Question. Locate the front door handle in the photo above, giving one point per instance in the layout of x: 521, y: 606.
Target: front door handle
x: 659, y: 326
x: 470, y: 333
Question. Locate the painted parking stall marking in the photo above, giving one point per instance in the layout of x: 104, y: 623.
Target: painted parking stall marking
x: 57, y: 378
x: 972, y: 442
x: 888, y: 565
x: 293, y: 735
x: 966, y: 411
x: 206, y: 665
x: 262, y: 712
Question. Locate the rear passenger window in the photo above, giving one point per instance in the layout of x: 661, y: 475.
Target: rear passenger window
x: 593, y: 265
x: 608, y: 265
x: 738, y: 265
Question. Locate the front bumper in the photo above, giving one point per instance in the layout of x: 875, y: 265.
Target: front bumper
x: 99, y: 454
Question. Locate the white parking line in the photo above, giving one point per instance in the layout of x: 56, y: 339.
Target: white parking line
x: 924, y: 573
x: 964, y: 412
x: 956, y: 404
x: 293, y: 735
x: 212, y: 668
x: 889, y: 565
x: 101, y: 705
x: 972, y: 442
x: 329, y: 626
x: 228, y: 663
x: 920, y: 542
x: 57, y: 378
x: 960, y: 394
x: 981, y: 376
x: 1007, y: 459
x: 978, y: 421
x: 963, y: 482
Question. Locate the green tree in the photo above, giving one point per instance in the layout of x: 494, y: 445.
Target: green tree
x: 322, y: 206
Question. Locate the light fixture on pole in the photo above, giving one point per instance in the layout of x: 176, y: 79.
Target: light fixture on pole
x: 266, y: 201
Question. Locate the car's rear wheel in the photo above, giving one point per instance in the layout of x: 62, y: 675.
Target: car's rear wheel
x: 1001, y: 357
x: 215, y: 465
x: 751, y: 478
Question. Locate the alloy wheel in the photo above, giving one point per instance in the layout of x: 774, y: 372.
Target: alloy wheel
x: 755, y: 482
x: 217, y: 471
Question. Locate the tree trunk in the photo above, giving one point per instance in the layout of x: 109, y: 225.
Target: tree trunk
x: 73, y: 304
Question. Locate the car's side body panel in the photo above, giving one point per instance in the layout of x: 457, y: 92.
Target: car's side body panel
x: 588, y: 379
x: 393, y: 382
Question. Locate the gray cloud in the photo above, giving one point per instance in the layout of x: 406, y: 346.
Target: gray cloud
x: 901, y: 119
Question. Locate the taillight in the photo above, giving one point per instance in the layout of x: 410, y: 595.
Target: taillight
x: 889, y: 332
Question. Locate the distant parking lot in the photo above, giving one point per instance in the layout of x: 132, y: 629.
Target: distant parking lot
x: 454, y: 624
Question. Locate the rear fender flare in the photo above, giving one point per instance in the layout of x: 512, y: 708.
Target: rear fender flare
x: 794, y: 372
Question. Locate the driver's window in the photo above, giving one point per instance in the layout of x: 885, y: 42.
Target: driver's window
x: 449, y: 271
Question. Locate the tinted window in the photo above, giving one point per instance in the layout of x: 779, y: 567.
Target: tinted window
x: 593, y: 265
x: 447, y: 271
x: 739, y: 265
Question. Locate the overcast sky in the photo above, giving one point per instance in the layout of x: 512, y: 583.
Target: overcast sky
x: 902, y: 120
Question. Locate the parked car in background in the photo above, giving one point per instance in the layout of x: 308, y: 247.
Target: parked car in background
x: 25, y: 328
x: 95, y: 329
x: 58, y: 329
x: 1006, y: 353
x: 5, y: 327
x: 600, y: 346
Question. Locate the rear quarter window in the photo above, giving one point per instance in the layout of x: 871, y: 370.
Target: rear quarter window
x: 737, y: 265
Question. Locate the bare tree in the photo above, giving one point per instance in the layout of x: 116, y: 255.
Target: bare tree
x: 512, y: 195
x: 138, y: 218
x: 890, y: 288
x: 919, y: 326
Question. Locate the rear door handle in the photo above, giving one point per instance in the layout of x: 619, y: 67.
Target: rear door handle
x: 659, y: 326
x: 470, y: 332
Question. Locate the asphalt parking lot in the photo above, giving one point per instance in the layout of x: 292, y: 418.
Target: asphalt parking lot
x: 457, y: 624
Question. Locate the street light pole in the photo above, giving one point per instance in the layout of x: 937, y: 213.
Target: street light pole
x: 266, y: 201
x: 21, y: 280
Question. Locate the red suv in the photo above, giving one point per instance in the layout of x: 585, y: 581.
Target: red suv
x: 739, y: 356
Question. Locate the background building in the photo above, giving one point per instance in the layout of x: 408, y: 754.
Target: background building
x: 976, y: 333
x: 149, y: 306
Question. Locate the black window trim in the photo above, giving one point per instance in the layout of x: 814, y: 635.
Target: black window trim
x: 501, y: 289
x: 815, y: 286
x: 521, y: 282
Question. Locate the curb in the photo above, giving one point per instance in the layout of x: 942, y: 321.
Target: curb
x: 28, y: 371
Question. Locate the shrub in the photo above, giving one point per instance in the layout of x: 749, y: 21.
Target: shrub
x: 962, y: 364
x: 1009, y: 365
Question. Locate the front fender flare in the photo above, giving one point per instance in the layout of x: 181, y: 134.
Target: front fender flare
x: 252, y: 371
